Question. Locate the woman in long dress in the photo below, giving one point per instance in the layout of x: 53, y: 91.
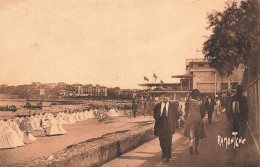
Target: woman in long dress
x: 194, y: 127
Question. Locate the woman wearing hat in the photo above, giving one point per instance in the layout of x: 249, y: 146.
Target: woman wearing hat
x: 194, y: 113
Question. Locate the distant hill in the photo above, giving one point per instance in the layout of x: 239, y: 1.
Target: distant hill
x: 21, y: 90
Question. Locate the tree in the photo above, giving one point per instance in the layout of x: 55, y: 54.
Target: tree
x: 235, y: 38
x: 111, y: 92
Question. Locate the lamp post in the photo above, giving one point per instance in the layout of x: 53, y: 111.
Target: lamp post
x: 215, y: 83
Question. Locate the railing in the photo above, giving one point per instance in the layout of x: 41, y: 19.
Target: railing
x: 253, y: 99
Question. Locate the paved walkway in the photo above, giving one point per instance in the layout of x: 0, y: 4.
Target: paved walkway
x: 211, y: 154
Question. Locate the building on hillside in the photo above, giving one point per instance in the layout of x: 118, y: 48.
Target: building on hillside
x: 51, y: 85
x: 103, y: 91
x: 126, y: 93
x: 62, y: 85
x: 63, y: 93
x: 37, y: 93
x: 3, y: 86
x: 199, y: 74
x: 90, y: 91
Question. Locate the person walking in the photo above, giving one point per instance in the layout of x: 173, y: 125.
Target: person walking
x: 144, y: 108
x: 134, y: 108
x: 194, y: 127
x: 166, y: 115
x: 209, y: 107
x: 217, y: 108
x: 228, y: 106
x: 239, y: 111
x: 181, y: 120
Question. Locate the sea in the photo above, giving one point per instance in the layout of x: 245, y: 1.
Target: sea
x: 47, y: 107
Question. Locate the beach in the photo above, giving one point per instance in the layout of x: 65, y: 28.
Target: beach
x: 77, y: 133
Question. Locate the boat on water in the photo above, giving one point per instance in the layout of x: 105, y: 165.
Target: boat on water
x: 38, y: 106
x: 8, y: 108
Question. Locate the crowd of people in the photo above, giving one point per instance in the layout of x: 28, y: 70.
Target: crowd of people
x: 167, y: 113
x: 233, y: 104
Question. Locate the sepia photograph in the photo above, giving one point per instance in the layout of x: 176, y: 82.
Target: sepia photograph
x: 129, y: 83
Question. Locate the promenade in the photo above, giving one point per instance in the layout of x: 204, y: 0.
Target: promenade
x: 210, y: 153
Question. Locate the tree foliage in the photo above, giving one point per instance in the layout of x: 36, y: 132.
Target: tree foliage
x: 235, y: 36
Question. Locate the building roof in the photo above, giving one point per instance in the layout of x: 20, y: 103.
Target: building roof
x: 182, y: 76
x: 168, y: 91
x: 198, y: 60
x: 159, y: 84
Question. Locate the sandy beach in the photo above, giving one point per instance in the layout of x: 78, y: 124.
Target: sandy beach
x: 78, y: 132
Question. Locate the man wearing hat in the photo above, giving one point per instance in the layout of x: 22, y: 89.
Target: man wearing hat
x: 239, y: 111
x: 166, y: 115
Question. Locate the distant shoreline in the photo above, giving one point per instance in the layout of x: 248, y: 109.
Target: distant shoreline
x: 44, y: 100
x: 59, y: 99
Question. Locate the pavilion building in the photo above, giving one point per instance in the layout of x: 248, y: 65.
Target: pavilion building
x: 199, y: 74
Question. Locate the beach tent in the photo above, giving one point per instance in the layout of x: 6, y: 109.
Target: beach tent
x: 118, y: 113
x: 48, y: 116
x: 16, y: 129
x: 75, y: 117
x: 35, y: 122
x: 91, y: 114
x: 82, y: 115
x: 67, y: 119
x: 9, y: 138
x: 18, y: 120
x: 71, y: 118
x: 85, y: 113
x: 60, y: 119
x: 113, y: 113
x: 45, y: 123
x: 56, y: 128
x: 31, y: 137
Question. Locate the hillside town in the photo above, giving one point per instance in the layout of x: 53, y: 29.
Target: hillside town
x: 63, y: 90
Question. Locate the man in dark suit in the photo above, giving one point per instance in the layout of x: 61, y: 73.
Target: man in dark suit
x: 239, y: 111
x: 166, y: 115
x: 209, y: 107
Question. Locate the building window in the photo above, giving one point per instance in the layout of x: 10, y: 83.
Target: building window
x: 224, y: 86
x: 187, y: 67
x: 234, y: 85
x: 200, y: 65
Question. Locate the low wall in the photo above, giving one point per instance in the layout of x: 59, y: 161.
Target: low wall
x: 95, y: 152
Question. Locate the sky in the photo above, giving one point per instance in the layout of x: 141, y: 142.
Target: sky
x: 111, y: 43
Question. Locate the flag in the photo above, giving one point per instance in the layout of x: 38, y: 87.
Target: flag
x: 146, y: 79
x: 154, y: 75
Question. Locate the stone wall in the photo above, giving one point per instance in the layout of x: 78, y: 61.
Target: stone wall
x: 95, y: 152
x: 253, y: 98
